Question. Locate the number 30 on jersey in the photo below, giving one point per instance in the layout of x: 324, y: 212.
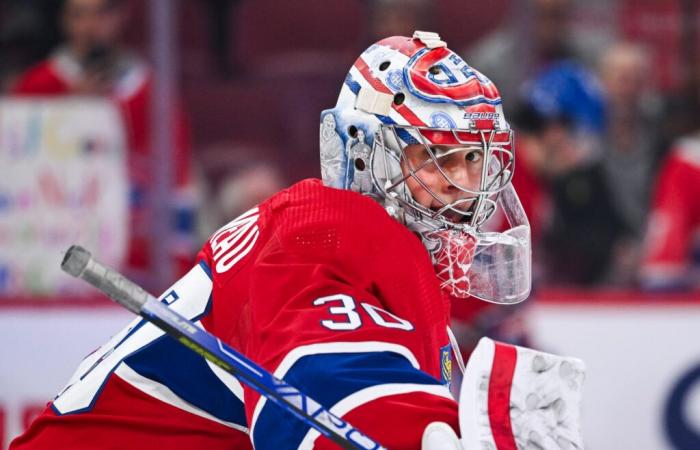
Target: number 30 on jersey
x: 343, y: 308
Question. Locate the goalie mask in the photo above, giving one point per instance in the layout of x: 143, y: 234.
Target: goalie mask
x: 424, y: 134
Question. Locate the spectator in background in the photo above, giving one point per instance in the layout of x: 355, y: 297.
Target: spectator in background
x: 93, y: 61
x: 568, y: 89
x: 630, y: 148
x: 546, y: 150
x: 251, y: 185
x: 566, y: 198
x: 562, y: 123
x: 238, y: 190
x: 671, y: 258
x: 580, y: 242
x: 593, y: 143
x: 533, y: 39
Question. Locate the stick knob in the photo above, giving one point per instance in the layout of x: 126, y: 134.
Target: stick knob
x: 76, y: 260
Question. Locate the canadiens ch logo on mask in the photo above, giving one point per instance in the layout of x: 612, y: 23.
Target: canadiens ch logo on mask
x: 438, y: 75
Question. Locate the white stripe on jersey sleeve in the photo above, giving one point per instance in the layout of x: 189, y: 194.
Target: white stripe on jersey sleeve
x: 191, y: 300
x: 331, y: 347
x: 372, y: 393
x: 164, y: 394
x: 229, y: 380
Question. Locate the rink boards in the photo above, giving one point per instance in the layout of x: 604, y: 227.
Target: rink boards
x: 642, y: 355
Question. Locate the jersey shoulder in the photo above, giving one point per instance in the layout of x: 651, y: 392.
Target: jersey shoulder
x: 311, y: 223
x: 309, y: 211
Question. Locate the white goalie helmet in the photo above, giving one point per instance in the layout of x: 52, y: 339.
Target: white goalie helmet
x: 410, y: 110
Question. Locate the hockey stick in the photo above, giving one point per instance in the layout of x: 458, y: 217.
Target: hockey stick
x: 79, y: 263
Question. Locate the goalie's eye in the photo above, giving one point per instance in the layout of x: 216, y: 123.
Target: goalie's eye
x: 474, y: 156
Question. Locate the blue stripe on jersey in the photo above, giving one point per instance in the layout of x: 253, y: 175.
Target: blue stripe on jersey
x: 166, y: 361
x: 99, y: 361
x: 329, y: 378
x: 206, y: 270
x: 187, y: 374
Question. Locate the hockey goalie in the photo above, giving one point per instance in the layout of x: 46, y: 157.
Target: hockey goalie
x: 342, y: 287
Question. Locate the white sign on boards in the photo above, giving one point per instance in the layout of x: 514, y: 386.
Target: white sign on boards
x: 64, y: 181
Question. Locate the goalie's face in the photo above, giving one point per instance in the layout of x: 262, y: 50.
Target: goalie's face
x: 444, y: 178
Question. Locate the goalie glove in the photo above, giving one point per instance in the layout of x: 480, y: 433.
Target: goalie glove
x: 514, y: 397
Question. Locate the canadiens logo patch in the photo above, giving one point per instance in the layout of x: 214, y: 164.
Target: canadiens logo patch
x: 446, y: 365
x: 442, y: 120
x: 394, y: 79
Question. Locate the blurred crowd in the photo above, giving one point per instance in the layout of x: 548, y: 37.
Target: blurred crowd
x: 607, y: 161
x: 607, y: 123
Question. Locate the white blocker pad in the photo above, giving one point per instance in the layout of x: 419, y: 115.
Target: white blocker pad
x: 518, y: 398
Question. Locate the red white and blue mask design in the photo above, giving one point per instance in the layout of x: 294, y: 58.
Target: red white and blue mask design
x: 408, y: 109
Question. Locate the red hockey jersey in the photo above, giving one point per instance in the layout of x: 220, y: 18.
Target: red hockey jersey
x: 318, y: 285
